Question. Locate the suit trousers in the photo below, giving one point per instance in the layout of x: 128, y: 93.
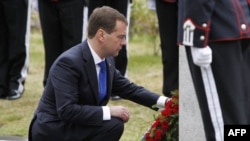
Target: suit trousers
x: 167, y: 21
x: 231, y: 69
x: 110, y: 130
x: 13, y: 47
x: 121, y: 61
x: 62, y: 27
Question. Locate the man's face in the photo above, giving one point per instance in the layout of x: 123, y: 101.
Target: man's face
x: 114, y: 41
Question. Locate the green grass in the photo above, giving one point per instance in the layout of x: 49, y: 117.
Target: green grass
x: 144, y: 68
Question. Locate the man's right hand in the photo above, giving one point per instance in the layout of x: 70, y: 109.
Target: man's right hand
x: 120, y: 112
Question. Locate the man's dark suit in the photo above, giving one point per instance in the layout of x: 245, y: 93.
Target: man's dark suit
x: 69, y: 107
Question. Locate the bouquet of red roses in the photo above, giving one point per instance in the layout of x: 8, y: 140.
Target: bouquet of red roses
x: 166, y: 125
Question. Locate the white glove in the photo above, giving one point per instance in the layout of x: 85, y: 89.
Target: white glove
x: 202, y: 57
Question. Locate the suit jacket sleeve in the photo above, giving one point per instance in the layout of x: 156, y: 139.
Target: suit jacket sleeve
x: 129, y: 90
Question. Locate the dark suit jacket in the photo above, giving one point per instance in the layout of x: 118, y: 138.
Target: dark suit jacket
x: 70, y: 105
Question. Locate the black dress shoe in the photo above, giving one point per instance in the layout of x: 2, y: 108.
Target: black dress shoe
x: 13, y: 95
x: 115, y: 97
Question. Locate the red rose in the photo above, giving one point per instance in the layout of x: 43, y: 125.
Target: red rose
x: 158, y: 134
x: 165, y: 126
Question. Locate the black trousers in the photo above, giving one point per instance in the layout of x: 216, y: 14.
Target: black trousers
x: 110, y: 130
x: 121, y: 61
x: 231, y: 69
x: 62, y: 27
x: 167, y: 20
x: 13, y: 49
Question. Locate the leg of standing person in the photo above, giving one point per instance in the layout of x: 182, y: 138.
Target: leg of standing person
x: 62, y: 25
x: 167, y: 20
x: 231, y: 83
x: 3, y: 54
x: 13, y: 61
x: 247, y: 77
x: 51, y: 33
x: 246, y: 56
x: 121, y: 61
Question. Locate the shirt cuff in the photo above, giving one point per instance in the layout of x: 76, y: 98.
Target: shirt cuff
x: 161, y: 101
x: 106, y: 113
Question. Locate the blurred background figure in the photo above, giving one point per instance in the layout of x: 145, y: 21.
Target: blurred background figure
x: 62, y: 27
x: 123, y: 6
x: 167, y: 20
x: 14, y: 46
x: 166, y: 11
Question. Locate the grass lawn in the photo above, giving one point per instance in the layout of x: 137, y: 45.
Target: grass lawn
x: 144, y: 68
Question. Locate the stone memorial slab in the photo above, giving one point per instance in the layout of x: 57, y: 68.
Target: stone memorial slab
x: 190, y: 123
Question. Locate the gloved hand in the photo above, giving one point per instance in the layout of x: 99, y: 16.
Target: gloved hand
x: 202, y: 57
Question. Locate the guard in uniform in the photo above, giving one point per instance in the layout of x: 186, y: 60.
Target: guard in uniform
x: 218, y: 32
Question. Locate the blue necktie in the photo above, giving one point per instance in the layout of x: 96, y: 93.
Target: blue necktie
x: 102, y: 80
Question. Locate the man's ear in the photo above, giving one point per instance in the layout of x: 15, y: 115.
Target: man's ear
x: 101, y: 34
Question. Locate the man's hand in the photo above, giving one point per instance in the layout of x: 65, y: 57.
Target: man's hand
x: 120, y: 112
x: 202, y: 57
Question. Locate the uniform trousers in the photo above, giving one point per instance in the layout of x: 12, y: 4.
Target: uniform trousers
x: 167, y: 21
x: 62, y: 27
x: 13, y: 47
x: 231, y: 69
